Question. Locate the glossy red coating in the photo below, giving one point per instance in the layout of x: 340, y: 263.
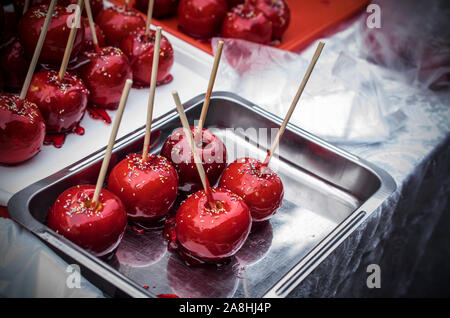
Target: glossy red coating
x: 105, y: 76
x: 13, y: 65
x: 147, y: 189
x: 247, y: 22
x: 117, y: 22
x: 22, y: 129
x: 260, y: 187
x: 88, y: 45
x: 277, y: 11
x: 97, y: 230
x: 30, y: 26
x: 161, y: 8
x: 96, y: 5
x: 61, y: 102
x: 201, y: 18
x: 140, y: 48
x: 217, y: 233
x: 212, y: 153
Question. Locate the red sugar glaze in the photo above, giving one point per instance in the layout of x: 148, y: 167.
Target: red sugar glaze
x: 147, y: 189
x: 97, y: 230
x: 258, y: 185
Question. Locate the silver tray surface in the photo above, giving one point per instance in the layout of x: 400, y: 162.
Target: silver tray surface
x: 328, y: 193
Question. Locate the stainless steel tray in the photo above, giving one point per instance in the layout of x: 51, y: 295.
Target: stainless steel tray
x: 328, y: 193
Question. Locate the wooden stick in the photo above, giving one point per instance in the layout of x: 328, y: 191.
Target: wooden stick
x: 26, y: 5
x: 151, y: 97
x: 37, y: 50
x: 294, y: 102
x: 187, y: 131
x: 212, y: 79
x: 87, y: 6
x: 112, y: 139
x: 149, y: 16
x: 70, y: 41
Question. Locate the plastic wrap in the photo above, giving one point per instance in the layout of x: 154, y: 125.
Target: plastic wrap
x: 28, y: 268
x: 413, y: 38
x: 343, y: 101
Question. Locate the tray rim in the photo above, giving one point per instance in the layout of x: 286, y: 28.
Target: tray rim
x: 18, y: 208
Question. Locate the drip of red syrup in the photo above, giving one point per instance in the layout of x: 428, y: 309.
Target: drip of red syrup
x: 189, y: 259
x: 167, y: 296
x: 57, y: 140
x: 99, y: 114
x: 166, y: 80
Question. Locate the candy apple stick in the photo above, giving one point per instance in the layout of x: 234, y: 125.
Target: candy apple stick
x: 87, y: 6
x: 197, y: 160
x: 37, y: 50
x: 151, y: 98
x: 149, y: 16
x: 73, y: 33
x: 294, y: 102
x: 112, y: 138
x: 26, y: 5
x: 212, y: 79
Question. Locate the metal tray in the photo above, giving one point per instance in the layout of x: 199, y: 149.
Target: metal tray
x: 328, y: 193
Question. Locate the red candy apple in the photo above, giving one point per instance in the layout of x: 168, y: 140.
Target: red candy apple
x: 14, y: 65
x: 247, y: 22
x: 30, y: 26
x: 88, y: 45
x: 276, y: 11
x: 22, y: 129
x: 99, y: 229
x: 201, y: 18
x: 61, y: 102
x: 140, y: 48
x: 213, y: 233
x: 161, y: 8
x: 117, y: 22
x: 212, y: 153
x: 258, y: 185
x: 105, y: 76
x: 147, y: 189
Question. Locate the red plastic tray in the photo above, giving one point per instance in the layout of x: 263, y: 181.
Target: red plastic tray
x: 309, y: 19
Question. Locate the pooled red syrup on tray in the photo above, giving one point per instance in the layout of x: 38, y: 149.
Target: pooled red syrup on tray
x: 57, y: 139
x: 190, y: 260
x: 99, y: 114
x: 166, y: 80
x: 167, y: 296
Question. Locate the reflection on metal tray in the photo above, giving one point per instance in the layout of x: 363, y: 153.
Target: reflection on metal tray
x: 328, y: 193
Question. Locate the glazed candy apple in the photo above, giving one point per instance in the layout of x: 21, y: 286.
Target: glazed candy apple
x: 213, y: 233
x: 88, y: 45
x: 247, y: 22
x: 61, y: 102
x: 22, y: 129
x: 105, y: 76
x: 97, y: 229
x: 55, y: 42
x: 119, y: 21
x: 147, y: 189
x: 161, y: 8
x: 212, y: 153
x: 201, y: 18
x: 277, y: 11
x: 14, y: 65
x: 258, y: 185
x: 139, y: 48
